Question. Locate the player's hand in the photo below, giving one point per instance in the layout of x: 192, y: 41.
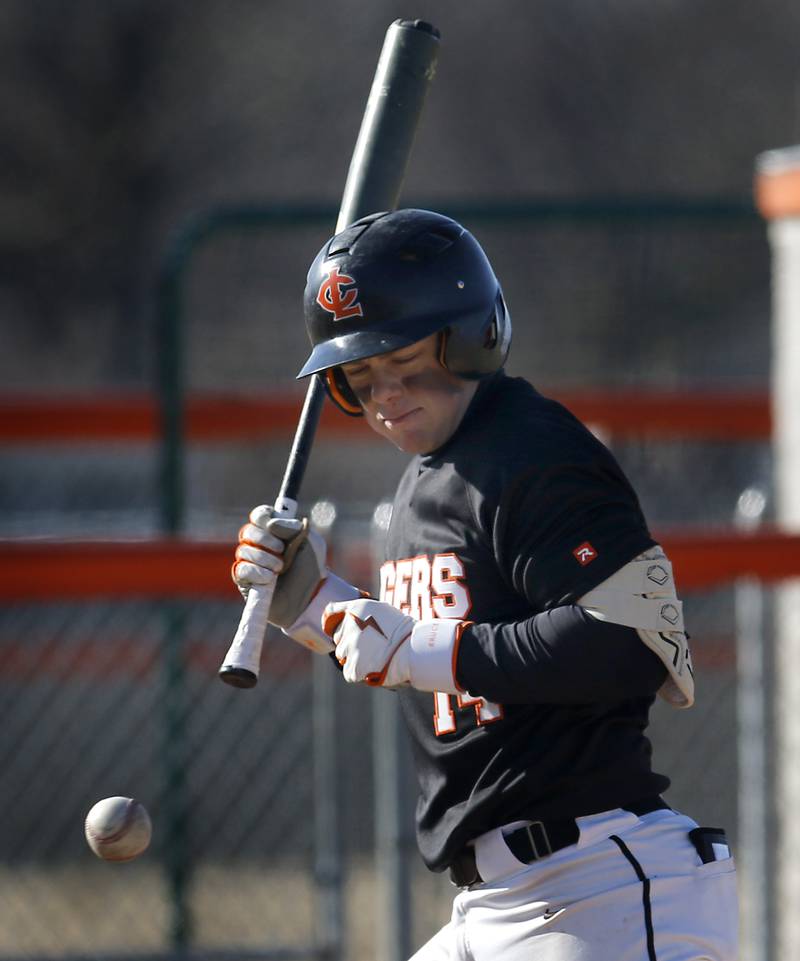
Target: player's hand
x: 285, y: 551
x: 378, y: 645
x: 371, y: 641
x: 281, y: 548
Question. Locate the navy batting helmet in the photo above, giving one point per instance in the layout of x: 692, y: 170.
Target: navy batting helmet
x: 391, y: 279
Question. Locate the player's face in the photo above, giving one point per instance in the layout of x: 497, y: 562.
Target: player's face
x: 408, y: 397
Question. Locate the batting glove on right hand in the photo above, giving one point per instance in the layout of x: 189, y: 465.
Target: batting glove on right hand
x: 286, y: 551
x: 377, y: 644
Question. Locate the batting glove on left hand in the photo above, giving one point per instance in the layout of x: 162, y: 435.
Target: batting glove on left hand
x: 378, y: 645
x: 274, y: 547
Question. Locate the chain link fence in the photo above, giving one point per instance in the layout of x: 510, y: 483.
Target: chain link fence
x: 119, y: 698
x: 250, y: 855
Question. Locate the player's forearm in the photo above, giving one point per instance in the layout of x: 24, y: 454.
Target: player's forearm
x: 562, y: 656
x: 307, y: 628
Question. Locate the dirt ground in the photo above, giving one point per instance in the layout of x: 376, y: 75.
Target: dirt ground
x: 105, y: 909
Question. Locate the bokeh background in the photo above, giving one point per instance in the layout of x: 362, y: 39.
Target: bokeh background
x: 604, y: 156
x: 122, y: 119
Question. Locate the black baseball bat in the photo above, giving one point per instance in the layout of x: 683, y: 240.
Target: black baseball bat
x: 405, y: 70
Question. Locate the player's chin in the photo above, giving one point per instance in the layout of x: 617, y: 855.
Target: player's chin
x: 410, y: 442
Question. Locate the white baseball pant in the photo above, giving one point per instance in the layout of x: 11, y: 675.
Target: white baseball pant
x: 631, y: 889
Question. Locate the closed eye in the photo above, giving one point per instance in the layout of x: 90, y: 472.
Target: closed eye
x: 406, y: 360
x: 364, y: 368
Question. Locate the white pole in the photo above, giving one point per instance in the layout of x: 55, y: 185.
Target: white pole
x: 751, y: 744
x: 778, y: 195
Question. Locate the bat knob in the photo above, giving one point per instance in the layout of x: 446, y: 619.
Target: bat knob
x: 419, y: 25
x: 238, y: 677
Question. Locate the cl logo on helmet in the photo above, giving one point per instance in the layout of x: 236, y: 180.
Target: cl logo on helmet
x: 339, y: 295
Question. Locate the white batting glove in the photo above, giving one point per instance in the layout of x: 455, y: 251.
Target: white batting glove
x: 259, y: 555
x: 284, y: 550
x: 377, y: 644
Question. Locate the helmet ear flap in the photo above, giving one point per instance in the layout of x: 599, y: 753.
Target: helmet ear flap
x: 477, y: 349
x: 337, y: 388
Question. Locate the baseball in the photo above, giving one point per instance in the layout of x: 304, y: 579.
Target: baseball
x: 118, y: 828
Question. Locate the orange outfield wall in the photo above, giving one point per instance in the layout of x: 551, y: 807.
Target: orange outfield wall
x: 42, y: 570
x: 710, y: 415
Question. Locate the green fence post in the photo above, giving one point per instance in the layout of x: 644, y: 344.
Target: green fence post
x: 175, y: 801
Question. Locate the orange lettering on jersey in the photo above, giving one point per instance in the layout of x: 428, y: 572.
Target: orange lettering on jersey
x: 420, y: 590
x: 402, y: 584
x: 485, y: 711
x: 387, y: 583
x: 451, y: 596
x: 424, y: 588
x: 444, y: 718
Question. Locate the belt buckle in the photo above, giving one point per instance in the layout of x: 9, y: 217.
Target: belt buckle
x: 539, y: 840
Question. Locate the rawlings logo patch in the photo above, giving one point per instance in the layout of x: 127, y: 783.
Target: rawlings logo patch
x: 584, y: 554
x: 338, y: 295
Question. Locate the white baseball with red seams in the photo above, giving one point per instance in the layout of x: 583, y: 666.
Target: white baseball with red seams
x: 118, y: 829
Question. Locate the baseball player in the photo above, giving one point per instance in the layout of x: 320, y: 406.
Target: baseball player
x: 527, y: 620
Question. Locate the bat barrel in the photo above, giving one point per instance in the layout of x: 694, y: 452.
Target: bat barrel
x: 301, y: 446
x: 406, y: 66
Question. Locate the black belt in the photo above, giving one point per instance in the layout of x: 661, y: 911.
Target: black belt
x: 538, y: 840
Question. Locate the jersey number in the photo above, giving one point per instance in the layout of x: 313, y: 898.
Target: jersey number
x: 427, y: 588
x: 444, y: 717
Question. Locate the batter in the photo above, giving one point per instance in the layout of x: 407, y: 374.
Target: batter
x: 526, y: 617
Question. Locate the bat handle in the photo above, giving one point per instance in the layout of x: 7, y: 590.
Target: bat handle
x: 243, y: 660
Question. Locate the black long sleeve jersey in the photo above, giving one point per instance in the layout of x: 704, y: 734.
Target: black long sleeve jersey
x: 517, y: 516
